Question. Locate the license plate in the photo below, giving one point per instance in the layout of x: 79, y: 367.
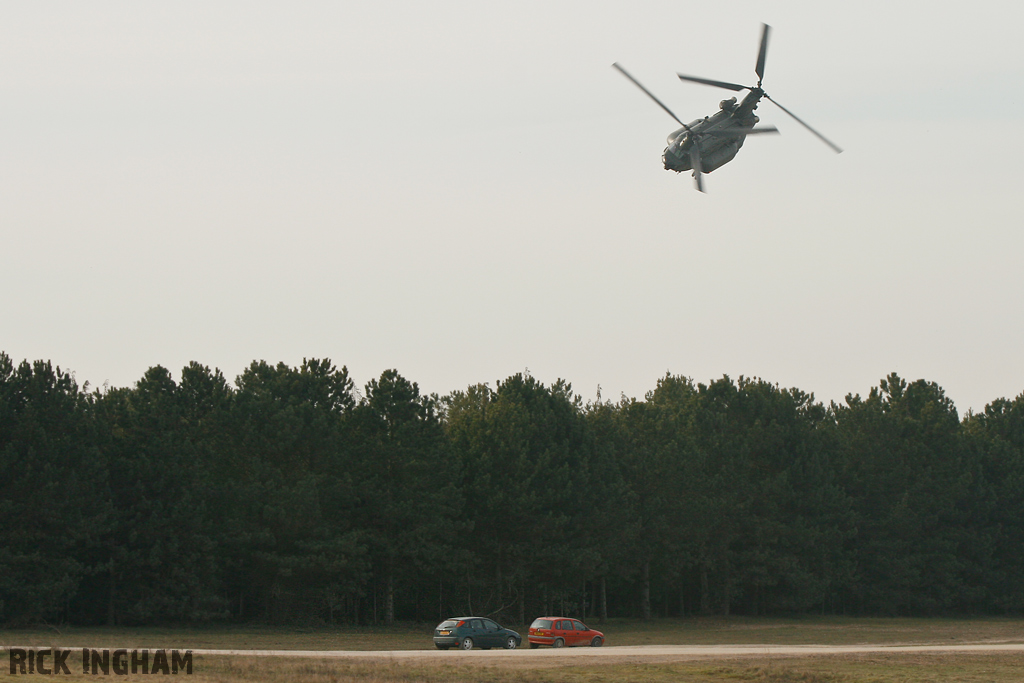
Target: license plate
x: 444, y: 633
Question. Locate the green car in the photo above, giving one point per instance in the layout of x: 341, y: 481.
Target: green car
x: 466, y: 633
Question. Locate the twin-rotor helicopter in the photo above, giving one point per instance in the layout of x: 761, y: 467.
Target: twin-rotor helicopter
x: 705, y: 144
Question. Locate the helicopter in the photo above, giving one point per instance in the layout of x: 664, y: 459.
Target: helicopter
x: 706, y: 144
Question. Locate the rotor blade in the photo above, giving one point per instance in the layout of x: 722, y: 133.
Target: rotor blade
x: 834, y: 146
x: 759, y: 69
x: 649, y: 94
x: 736, y: 132
x: 717, y: 84
x: 695, y: 164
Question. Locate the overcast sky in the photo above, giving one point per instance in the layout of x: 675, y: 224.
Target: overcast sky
x: 464, y: 190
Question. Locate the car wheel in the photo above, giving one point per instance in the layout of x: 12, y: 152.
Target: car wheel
x: 596, y: 642
x: 443, y: 647
x: 510, y: 643
x: 466, y: 644
x: 558, y: 643
x: 534, y: 646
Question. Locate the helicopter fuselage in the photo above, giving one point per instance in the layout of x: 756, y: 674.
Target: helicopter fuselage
x: 719, y: 136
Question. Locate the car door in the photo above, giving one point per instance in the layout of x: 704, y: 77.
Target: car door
x: 582, y: 633
x: 491, y: 634
x: 556, y: 630
x: 476, y: 627
x: 564, y: 630
x: 574, y: 633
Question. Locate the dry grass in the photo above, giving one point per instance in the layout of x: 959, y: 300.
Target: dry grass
x: 994, y: 668
x: 813, y: 631
x: 402, y: 637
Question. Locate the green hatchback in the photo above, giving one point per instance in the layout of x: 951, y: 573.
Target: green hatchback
x: 466, y: 633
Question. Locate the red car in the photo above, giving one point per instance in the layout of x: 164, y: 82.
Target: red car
x: 562, y: 632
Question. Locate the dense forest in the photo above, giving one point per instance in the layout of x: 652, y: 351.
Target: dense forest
x: 292, y: 496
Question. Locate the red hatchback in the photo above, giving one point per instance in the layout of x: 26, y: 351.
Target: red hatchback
x: 562, y: 632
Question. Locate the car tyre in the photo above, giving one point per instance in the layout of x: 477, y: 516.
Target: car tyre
x: 466, y: 644
x: 534, y: 646
x: 596, y: 642
x: 510, y: 643
x: 558, y: 643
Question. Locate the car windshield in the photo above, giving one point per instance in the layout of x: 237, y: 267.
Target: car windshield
x: 450, y: 623
x: 541, y: 623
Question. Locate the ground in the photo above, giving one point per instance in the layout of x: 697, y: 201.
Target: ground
x: 699, y: 650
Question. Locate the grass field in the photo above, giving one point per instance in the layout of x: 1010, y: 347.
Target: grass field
x: 994, y: 668
x: 903, y: 668
x: 876, y: 669
x: 693, y: 631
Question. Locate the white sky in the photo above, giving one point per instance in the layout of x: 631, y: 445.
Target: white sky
x: 463, y: 190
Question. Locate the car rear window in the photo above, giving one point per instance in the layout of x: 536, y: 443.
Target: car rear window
x: 450, y: 623
x: 541, y: 623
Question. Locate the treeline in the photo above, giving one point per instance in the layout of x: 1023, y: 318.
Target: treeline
x: 290, y: 496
